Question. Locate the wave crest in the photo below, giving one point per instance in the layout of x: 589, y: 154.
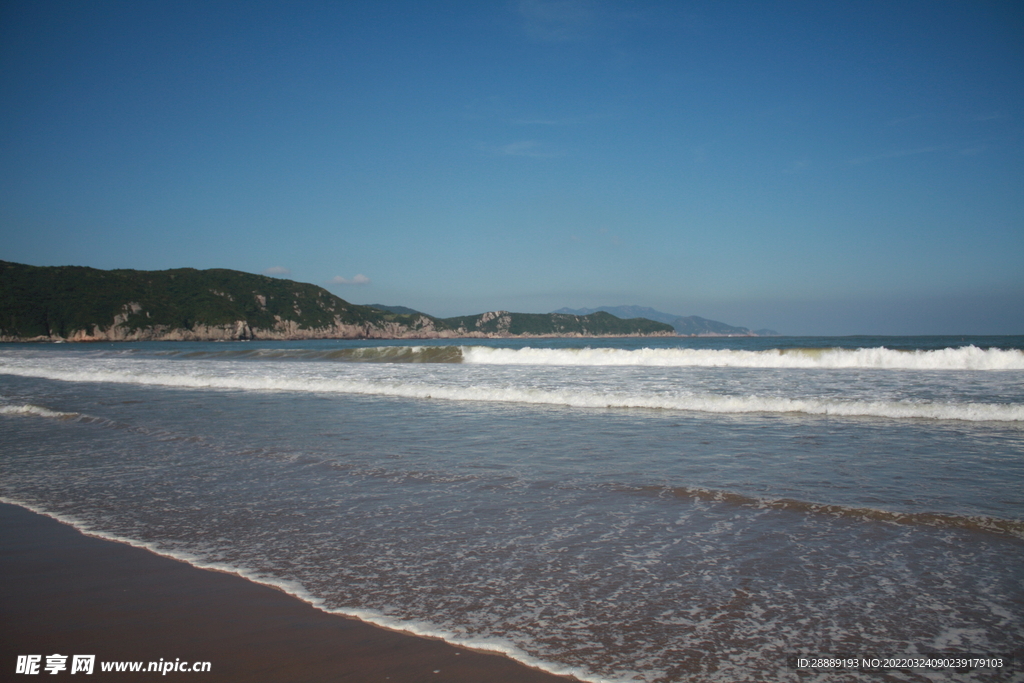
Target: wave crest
x: 1012, y: 527
x: 963, y: 358
x: 362, y: 354
x: 36, y: 411
x: 575, y: 398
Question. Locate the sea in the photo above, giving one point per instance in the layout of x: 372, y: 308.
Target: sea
x: 635, y: 509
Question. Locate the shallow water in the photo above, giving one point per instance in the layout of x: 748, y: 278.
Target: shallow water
x: 618, y: 513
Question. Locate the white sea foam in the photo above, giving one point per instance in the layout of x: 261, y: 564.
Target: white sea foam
x: 36, y: 411
x: 576, y: 397
x: 497, y: 645
x: 963, y: 358
x: 297, y: 590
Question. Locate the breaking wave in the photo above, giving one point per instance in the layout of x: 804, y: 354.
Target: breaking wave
x: 963, y: 358
x: 573, y: 397
x: 363, y: 354
x: 36, y: 411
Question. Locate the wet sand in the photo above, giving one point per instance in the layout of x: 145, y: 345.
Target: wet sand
x: 67, y: 593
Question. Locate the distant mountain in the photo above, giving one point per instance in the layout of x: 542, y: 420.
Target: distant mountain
x: 692, y: 325
x: 598, y: 324
x: 625, y: 312
x: 74, y: 303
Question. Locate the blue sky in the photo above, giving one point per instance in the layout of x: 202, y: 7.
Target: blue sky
x: 816, y: 168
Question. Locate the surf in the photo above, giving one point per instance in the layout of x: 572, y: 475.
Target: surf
x: 575, y: 397
x: 963, y: 358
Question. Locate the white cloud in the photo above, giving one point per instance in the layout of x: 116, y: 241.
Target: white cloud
x: 798, y: 165
x: 905, y: 119
x: 992, y: 116
x: 357, y: 280
x: 896, y: 154
x: 556, y: 21
x: 277, y: 270
x: 522, y: 148
x: 541, y: 122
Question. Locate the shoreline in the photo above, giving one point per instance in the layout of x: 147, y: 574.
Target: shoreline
x: 67, y: 592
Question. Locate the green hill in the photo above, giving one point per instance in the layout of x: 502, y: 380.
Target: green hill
x: 76, y: 303
x: 72, y: 302
x: 505, y: 324
x: 63, y: 301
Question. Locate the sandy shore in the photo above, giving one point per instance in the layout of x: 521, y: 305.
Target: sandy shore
x: 67, y: 593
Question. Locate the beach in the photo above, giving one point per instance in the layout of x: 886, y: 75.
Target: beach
x: 700, y: 510
x: 68, y: 593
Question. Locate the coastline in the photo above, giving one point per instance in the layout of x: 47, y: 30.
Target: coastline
x: 69, y: 593
x: 192, y: 337
x: 412, y: 338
